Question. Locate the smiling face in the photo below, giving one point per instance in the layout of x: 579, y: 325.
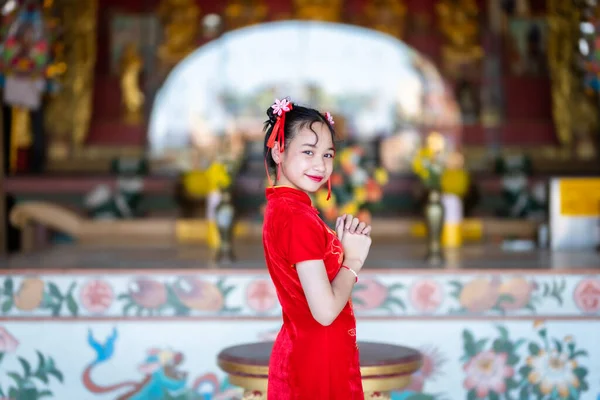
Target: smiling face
x: 307, y: 161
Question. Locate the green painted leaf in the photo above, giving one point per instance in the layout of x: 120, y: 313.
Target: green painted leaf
x: 420, y: 396
x: 26, y: 366
x: 57, y: 374
x: 44, y: 393
x: 56, y: 309
x: 357, y: 301
x: 471, y: 395
x: 127, y: 307
x: 480, y: 345
x: 580, y: 353
x: 359, y: 286
x: 525, y: 371
x: 524, y: 393
x: 41, y: 361
x: 502, y: 346
x: 54, y: 291
x: 558, y: 298
x: 493, y: 395
x: 395, y: 286
x: 505, y: 298
x: 558, y: 345
x: 511, y: 383
x: 72, y: 305
x: 226, y: 290
x: 8, y: 287
x: 580, y: 373
x: 7, y: 305
x: 469, y: 343
x: 231, y: 309
x: 42, y: 376
x: 396, y: 301
x: 17, y: 378
x: 503, y: 332
x: 530, y: 307
x: 583, y: 386
x: 534, y: 349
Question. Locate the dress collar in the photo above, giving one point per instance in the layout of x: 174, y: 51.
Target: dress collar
x: 288, y: 192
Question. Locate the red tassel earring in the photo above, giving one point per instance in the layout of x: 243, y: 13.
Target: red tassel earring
x: 328, y: 189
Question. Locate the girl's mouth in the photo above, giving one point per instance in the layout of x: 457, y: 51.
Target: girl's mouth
x: 315, y: 178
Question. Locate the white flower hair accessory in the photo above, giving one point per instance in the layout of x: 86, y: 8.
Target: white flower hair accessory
x: 329, y: 118
x: 281, y: 106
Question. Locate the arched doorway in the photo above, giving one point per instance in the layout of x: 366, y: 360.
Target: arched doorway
x: 381, y: 90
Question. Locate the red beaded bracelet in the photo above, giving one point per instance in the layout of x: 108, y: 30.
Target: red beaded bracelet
x: 351, y: 270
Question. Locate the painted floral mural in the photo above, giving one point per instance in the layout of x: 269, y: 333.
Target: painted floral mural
x: 31, y: 382
x: 505, y: 368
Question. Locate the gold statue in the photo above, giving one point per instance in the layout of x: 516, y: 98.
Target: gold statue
x: 319, y: 10
x: 460, y: 26
x: 68, y: 112
x: 181, y: 24
x: 131, y: 94
x: 240, y: 13
x: 386, y: 16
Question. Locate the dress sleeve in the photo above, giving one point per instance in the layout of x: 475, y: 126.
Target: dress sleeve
x: 305, y: 237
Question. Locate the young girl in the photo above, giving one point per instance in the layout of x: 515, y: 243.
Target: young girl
x: 315, y: 356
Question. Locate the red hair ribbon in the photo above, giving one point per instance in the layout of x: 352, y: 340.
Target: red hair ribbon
x: 280, y: 108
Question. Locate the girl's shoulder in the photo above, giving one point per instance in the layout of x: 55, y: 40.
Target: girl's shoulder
x: 285, y: 215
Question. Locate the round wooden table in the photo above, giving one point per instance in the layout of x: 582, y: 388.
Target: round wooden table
x: 384, y: 367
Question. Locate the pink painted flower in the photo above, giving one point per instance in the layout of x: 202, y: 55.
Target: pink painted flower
x: 426, y: 295
x: 487, y: 372
x: 8, y: 343
x: 281, y: 106
x: 261, y: 295
x: 370, y: 295
x: 433, y: 361
x: 329, y: 118
x: 587, y: 295
x: 96, y: 296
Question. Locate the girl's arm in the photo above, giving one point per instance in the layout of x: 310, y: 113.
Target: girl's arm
x: 326, y: 300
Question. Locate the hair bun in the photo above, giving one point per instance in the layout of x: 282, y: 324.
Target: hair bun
x: 271, y: 115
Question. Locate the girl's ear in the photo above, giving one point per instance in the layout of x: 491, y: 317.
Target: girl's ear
x: 276, y: 153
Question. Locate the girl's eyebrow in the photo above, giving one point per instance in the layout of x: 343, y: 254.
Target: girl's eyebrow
x: 315, y: 146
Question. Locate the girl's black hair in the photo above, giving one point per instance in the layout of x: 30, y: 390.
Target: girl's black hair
x: 297, y: 118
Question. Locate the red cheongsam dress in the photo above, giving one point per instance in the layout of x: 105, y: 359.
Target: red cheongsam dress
x: 309, y: 361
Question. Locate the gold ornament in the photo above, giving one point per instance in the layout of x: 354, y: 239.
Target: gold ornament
x: 318, y: 10
x: 241, y: 13
x: 386, y: 16
x: 68, y: 112
x: 181, y: 25
x: 458, y: 23
x: 133, y: 98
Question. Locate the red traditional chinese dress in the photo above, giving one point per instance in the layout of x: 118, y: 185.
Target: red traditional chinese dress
x: 309, y: 361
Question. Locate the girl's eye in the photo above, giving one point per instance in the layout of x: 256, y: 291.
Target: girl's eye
x: 308, y: 152
x: 329, y: 155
